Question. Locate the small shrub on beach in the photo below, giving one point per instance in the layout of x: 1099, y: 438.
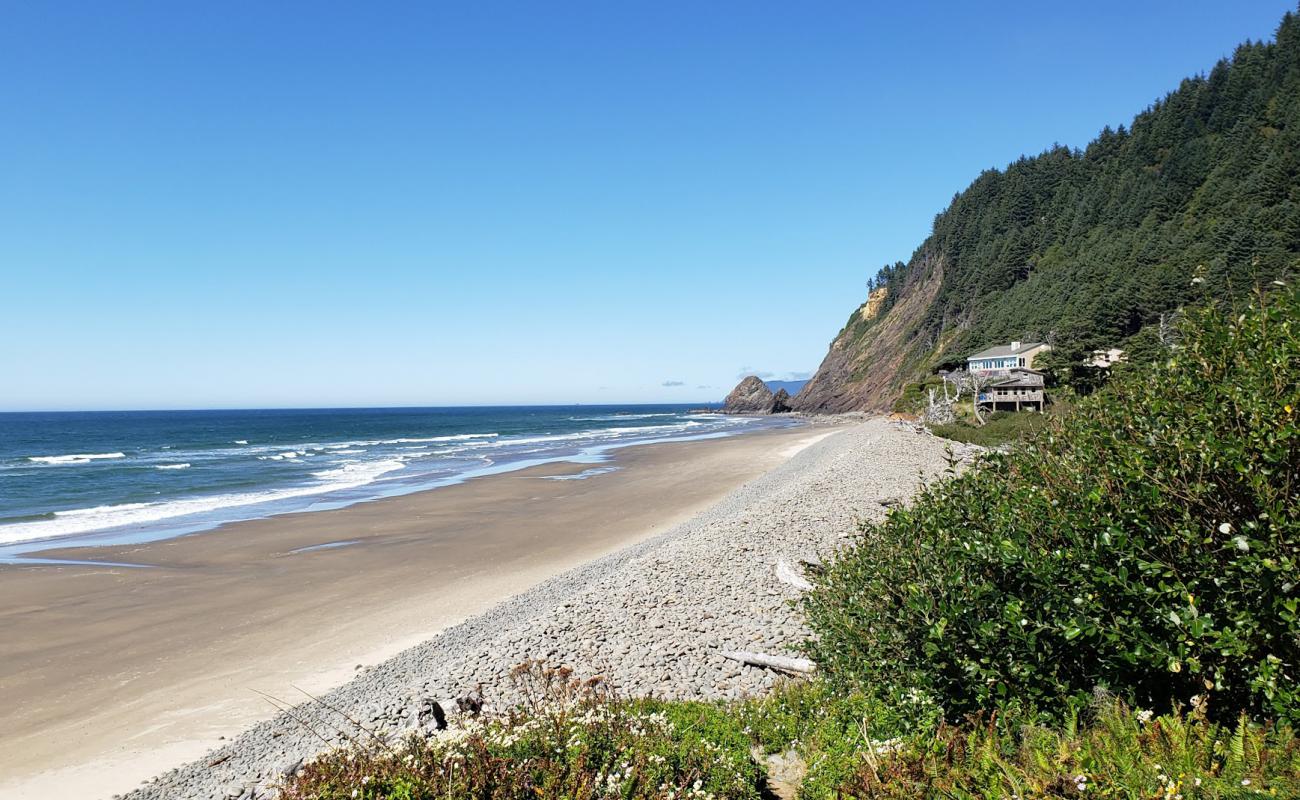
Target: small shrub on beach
x: 1119, y: 753
x: 571, y: 740
x: 1148, y: 542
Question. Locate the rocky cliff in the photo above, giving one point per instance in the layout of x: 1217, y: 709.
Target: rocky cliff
x: 872, y: 356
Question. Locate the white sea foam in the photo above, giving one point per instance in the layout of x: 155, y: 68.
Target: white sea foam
x: 355, y: 471
x: 75, y: 458
x: 283, y: 456
x: 600, y: 434
x: 97, y: 510
x: 460, y: 437
x: 617, y: 417
x: 173, y: 466
x: 241, y: 441
x: 86, y: 520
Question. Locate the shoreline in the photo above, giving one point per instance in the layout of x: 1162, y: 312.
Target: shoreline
x: 303, y: 599
x: 28, y: 552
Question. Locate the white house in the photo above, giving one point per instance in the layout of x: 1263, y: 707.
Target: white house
x: 1004, y: 358
x: 1106, y: 358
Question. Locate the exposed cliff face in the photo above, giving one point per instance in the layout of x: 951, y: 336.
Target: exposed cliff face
x: 876, y: 352
x: 751, y: 396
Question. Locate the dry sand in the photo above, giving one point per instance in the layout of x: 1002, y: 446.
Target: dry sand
x: 111, y: 675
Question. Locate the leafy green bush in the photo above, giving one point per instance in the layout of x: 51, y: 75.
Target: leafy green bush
x: 1119, y: 754
x: 916, y: 396
x: 575, y: 742
x: 1146, y: 542
x: 1002, y: 427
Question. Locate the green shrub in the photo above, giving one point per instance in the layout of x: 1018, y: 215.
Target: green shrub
x: 1118, y: 754
x: 1002, y: 427
x: 916, y: 396
x: 574, y: 742
x: 1146, y: 542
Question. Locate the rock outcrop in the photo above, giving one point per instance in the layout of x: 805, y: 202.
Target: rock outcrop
x: 751, y: 396
x: 781, y: 402
x: 878, y: 351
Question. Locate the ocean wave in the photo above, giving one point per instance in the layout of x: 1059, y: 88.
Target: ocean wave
x: 241, y: 441
x: 460, y: 437
x: 98, y: 510
x: 97, y: 518
x: 283, y: 456
x: 343, y: 464
x: 600, y: 434
x: 75, y: 458
x: 617, y: 417
x: 354, y: 471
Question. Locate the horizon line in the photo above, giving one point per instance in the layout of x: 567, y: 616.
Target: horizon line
x: 339, y: 408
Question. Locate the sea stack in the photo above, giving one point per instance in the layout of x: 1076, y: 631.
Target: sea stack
x: 752, y: 396
x: 781, y: 402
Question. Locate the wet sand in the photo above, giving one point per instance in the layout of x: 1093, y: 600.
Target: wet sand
x: 110, y: 675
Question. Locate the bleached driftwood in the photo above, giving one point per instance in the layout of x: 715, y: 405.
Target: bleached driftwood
x: 780, y: 663
x: 788, y: 574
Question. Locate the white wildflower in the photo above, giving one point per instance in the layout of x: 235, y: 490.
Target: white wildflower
x: 1242, y: 544
x: 1225, y: 528
x: 1144, y: 715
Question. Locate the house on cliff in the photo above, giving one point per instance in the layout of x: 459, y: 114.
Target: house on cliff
x: 1004, y: 358
x: 1008, y: 380
x: 1018, y: 390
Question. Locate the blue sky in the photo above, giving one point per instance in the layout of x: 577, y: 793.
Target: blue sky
x: 308, y: 204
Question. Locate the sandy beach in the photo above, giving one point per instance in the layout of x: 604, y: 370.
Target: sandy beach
x: 111, y: 675
x: 655, y: 617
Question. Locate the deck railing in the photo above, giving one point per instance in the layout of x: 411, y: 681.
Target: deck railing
x: 1012, y: 395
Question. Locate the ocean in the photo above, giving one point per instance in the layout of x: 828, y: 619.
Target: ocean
x: 129, y: 476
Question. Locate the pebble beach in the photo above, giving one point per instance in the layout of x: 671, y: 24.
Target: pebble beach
x: 654, y: 618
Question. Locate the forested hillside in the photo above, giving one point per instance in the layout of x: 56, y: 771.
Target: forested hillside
x: 1092, y: 248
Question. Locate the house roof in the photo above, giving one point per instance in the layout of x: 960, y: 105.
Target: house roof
x: 1005, y: 350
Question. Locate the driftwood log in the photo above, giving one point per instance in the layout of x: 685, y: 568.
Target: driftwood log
x: 801, y: 666
x: 788, y: 574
